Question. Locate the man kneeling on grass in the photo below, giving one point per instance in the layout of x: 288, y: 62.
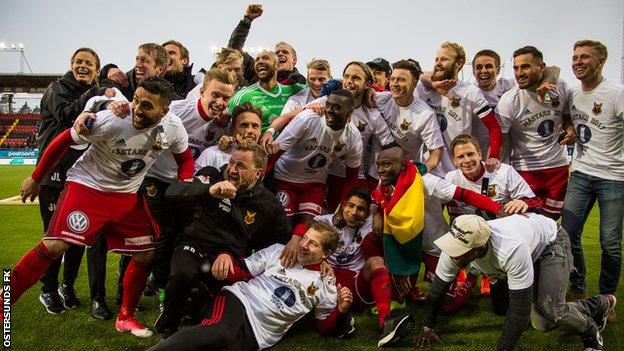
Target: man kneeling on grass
x: 267, y: 299
x: 530, y: 257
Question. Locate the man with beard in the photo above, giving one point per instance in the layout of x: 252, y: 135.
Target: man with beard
x: 598, y: 166
x: 530, y: 254
x: 462, y: 106
x: 62, y: 102
x: 287, y: 73
x: 266, y: 298
x: 535, y: 128
x: 179, y: 72
x: 232, y: 214
x: 307, y: 147
x: 266, y: 94
x: 319, y: 73
x: 358, y: 263
x: 101, y: 192
x: 151, y: 60
x: 402, y: 195
x: 246, y: 122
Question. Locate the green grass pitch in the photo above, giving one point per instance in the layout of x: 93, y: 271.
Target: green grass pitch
x: 475, y: 328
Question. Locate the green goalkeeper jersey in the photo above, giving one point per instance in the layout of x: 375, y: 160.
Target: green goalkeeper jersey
x: 269, y: 102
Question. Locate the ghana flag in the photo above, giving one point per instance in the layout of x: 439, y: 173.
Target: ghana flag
x: 404, y: 219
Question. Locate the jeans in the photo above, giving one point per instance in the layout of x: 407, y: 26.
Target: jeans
x: 583, y: 191
x: 552, y: 272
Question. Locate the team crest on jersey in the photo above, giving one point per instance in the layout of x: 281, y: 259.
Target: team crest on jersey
x: 282, y: 197
x: 361, y: 126
x: 338, y: 147
x: 312, y: 289
x: 455, y: 102
x: 210, y: 135
x: 405, y: 125
x: 78, y: 221
x: 157, y: 146
x: 554, y: 101
x: 250, y: 217
x: 491, y: 191
x: 151, y: 190
x: 597, y: 108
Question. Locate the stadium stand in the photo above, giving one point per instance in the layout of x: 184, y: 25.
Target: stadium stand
x: 19, y: 131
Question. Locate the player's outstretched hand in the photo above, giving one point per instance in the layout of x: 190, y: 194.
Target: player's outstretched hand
x: 569, y: 137
x: 82, y: 121
x: 288, y: 257
x: 120, y: 109
x: 29, y: 189
x: 515, y: 207
x: 117, y: 76
x: 492, y: 164
x: 272, y: 148
x: 443, y: 86
x: 427, y: 337
x: 345, y: 298
x: 223, y: 190
x: 253, y: 11
x: 109, y: 92
x: 544, y: 88
x: 222, y: 266
x: 326, y: 269
x: 225, y: 142
x: 316, y: 108
x: 266, y: 138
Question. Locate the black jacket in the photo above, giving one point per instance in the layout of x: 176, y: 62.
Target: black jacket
x: 63, y: 100
x: 252, y: 220
x: 183, y: 81
x: 128, y: 91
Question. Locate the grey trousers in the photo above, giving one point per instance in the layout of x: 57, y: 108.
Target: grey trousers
x: 552, y: 278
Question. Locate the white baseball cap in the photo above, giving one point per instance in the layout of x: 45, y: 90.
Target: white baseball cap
x: 466, y: 233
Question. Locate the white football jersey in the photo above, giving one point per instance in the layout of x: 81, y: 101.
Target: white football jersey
x: 455, y: 116
x: 510, y: 255
x: 370, y: 124
x: 502, y: 86
x: 310, y: 146
x: 437, y: 191
x: 298, y: 100
x: 598, y: 118
x: 277, y: 297
x: 502, y: 186
x: 534, y: 127
x: 120, y: 154
x: 349, y: 254
x: 412, y: 126
x: 202, y: 133
x: 214, y: 157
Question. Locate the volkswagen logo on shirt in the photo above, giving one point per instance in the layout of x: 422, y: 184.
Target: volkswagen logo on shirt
x: 132, y: 167
x: 78, y: 222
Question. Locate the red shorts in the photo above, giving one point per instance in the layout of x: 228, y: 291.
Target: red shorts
x: 549, y: 185
x: 372, y: 246
x: 83, y: 212
x: 305, y: 198
x: 362, y: 297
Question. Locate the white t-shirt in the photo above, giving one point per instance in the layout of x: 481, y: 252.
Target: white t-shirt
x: 298, y: 100
x: 370, y: 124
x: 202, y: 133
x: 213, y: 157
x: 516, y: 242
x: 120, y: 154
x: 503, y: 185
x: 349, y: 254
x: 598, y: 117
x: 310, y: 146
x: 502, y: 86
x: 534, y: 127
x: 277, y: 297
x: 437, y: 191
x: 455, y: 116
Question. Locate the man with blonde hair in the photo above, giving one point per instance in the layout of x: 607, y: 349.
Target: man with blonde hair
x: 319, y: 73
x: 597, y: 166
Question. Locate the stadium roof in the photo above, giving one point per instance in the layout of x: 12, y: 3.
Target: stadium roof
x: 26, y: 83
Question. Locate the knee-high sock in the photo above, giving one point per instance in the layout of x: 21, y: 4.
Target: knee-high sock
x: 382, y: 292
x: 133, y: 283
x: 29, y: 269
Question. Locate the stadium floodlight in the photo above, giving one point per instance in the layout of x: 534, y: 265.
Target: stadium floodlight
x: 2, y: 45
x: 21, y: 45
